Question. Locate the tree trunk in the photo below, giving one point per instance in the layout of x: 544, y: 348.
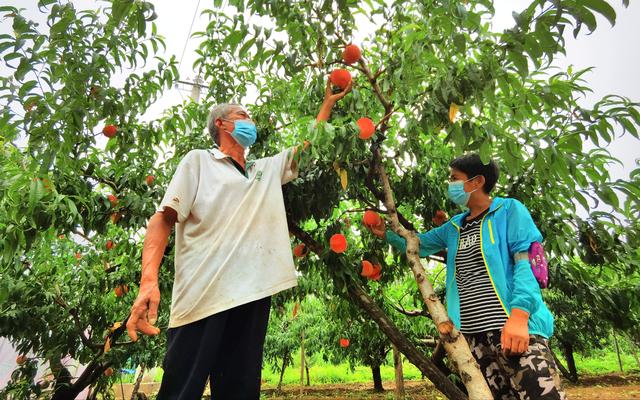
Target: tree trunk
x: 397, y: 364
x: 306, y: 367
x: 566, y: 373
x: 62, y: 378
x: 377, y: 379
x: 92, y: 373
x: 428, y: 368
x: 615, y: 340
x: 454, y: 342
x: 438, y: 355
x: 634, y: 352
x: 302, y: 358
x: 284, y: 364
x: 567, y: 351
x: 136, y: 386
x: 301, y: 362
x: 369, y: 306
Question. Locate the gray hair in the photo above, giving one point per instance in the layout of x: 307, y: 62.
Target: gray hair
x: 217, y: 112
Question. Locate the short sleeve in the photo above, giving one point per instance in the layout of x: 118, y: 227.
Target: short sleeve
x: 181, y: 192
x: 283, y: 163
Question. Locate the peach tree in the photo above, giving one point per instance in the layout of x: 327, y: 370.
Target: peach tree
x: 78, y: 182
x: 434, y: 80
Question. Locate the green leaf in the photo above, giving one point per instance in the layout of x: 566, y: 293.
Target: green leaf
x: 585, y: 16
x: 520, y: 63
x: 459, y: 41
x: 142, y: 23
x: 43, y: 3
x: 245, y: 47
x: 485, y: 151
x: 23, y: 69
x: 233, y: 39
x: 120, y: 9
x: 36, y: 192
x: 601, y: 7
x: 61, y: 26
x: 26, y: 88
x: 609, y: 196
x: 628, y: 126
x: 5, y: 45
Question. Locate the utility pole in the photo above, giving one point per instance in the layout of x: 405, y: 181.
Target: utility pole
x: 195, y: 87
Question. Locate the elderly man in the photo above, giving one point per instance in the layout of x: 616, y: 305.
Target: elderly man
x: 232, y: 253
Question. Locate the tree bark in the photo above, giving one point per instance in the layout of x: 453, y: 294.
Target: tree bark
x: 306, y: 367
x: 284, y: 364
x: 454, y: 342
x: 136, y: 386
x: 615, y: 341
x: 377, y: 379
x: 397, y: 364
x: 302, y: 358
x: 301, y: 362
x: 567, y: 350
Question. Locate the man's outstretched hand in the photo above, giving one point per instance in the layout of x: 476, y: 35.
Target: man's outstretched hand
x: 329, y: 96
x: 330, y: 99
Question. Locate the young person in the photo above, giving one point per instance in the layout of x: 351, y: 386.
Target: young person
x: 492, y: 296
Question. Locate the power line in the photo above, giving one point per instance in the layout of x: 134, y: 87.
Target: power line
x: 188, y: 35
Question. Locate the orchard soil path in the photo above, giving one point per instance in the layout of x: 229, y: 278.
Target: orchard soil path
x: 601, y: 387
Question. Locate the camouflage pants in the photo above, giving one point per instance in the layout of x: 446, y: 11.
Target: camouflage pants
x: 530, y: 376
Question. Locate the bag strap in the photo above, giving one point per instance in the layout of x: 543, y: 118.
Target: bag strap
x: 521, y: 256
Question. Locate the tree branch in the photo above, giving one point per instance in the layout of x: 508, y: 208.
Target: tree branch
x: 412, y: 313
x: 76, y: 319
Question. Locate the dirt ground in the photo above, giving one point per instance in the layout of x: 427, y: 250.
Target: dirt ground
x: 601, y: 387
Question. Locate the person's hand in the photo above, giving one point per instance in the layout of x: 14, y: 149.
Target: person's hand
x: 144, y: 312
x: 515, y: 334
x: 330, y: 97
x: 330, y: 100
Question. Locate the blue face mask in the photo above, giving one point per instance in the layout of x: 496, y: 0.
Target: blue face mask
x: 244, y: 132
x: 457, y: 194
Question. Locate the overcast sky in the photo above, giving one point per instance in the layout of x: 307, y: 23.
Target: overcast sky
x: 614, y: 52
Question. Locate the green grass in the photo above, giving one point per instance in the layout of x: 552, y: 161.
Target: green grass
x: 320, y: 372
x: 605, y: 362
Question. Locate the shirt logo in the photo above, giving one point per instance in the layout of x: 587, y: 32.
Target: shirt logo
x: 259, y: 175
x: 468, y: 241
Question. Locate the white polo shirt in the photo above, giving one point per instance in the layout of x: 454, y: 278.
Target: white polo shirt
x: 232, y: 242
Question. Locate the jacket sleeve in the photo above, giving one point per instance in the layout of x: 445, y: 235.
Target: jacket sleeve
x: 431, y: 241
x: 521, y: 233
